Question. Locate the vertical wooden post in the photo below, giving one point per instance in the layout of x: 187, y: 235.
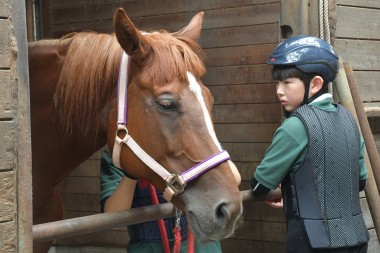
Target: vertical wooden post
x: 15, y: 148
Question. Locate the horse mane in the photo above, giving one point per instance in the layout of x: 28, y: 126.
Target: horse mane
x: 89, y: 73
x: 88, y: 78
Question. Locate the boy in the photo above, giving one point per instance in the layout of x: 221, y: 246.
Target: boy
x: 317, y: 154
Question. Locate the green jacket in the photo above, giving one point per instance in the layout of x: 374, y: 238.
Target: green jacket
x: 288, y: 150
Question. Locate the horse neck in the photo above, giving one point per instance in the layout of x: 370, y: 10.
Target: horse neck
x: 57, y: 151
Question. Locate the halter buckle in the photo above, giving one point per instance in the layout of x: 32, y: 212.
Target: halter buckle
x: 176, y: 184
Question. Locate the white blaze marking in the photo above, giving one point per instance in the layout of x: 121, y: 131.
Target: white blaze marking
x: 196, y: 89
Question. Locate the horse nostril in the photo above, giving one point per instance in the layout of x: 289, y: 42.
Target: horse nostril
x: 222, y: 213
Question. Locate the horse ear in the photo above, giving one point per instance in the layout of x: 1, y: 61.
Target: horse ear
x: 193, y: 29
x: 129, y: 38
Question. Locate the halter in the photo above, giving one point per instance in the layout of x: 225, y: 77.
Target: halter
x: 175, y: 183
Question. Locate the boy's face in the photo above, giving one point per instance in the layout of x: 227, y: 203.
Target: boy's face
x: 290, y: 92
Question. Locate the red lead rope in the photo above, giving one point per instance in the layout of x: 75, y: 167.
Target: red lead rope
x: 177, y: 229
x: 161, y: 223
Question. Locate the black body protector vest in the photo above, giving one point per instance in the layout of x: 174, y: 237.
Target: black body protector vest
x: 324, y: 191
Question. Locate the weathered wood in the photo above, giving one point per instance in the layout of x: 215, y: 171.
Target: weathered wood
x: 238, y: 36
x: 368, y: 82
x: 141, y: 8
x: 362, y: 54
x: 246, y: 152
x: 360, y: 3
x: 245, y: 132
x: 244, y: 94
x: 8, y: 236
x: 82, y: 185
x: 263, y: 212
x: 81, y: 202
x: 6, y: 98
x: 5, y: 9
x: 110, y: 238
x: 243, y: 74
x: 238, y: 55
x: 7, y: 145
x: 243, y: 246
x: 246, y: 232
x: 4, y: 44
x: 349, y: 27
x: 248, y: 113
x: 7, y: 197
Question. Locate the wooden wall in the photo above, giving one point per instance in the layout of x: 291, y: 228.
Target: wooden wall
x: 237, y: 38
x: 358, y: 42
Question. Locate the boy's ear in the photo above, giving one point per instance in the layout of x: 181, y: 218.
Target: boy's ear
x: 315, y: 85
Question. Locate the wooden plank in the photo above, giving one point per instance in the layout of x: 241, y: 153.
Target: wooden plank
x: 81, y: 202
x: 89, y: 168
x: 247, y: 113
x: 243, y: 74
x: 246, y: 152
x: 366, y: 213
x: 82, y: 185
x: 261, y: 231
x: 373, y: 244
x: 368, y: 82
x: 5, y: 9
x: 4, y: 44
x: 235, y: 245
x: 259, y: 211
x: 105, y: 11
x: 246, y: 170
x: 6, y: 98
x: 349, y: 27
x: 8, y: 237
x: 110, y: 238
x: 362, y: 54
x: 7, y: 197
x: 240, y: 35
x: 238, y: 55
x: 360, y: 3
x: 246, y: 132
x: 7, y: 145
x: 244, y: 94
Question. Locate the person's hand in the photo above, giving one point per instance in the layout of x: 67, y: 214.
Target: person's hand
x: 275, y: 203
x: 275, y: 200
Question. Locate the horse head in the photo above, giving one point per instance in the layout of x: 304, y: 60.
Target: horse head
x: 169, y: 118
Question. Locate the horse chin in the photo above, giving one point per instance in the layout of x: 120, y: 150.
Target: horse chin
x: 206, y: 233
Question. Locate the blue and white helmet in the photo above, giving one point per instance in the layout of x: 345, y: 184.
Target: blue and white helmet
x: 308, y: 54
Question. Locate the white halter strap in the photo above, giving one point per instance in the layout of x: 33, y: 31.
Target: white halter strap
x: 175, y: 183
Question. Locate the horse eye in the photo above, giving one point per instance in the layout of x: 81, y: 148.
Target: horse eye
x: 167, y: 104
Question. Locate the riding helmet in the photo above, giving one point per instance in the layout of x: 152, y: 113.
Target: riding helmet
x: 308, y: 54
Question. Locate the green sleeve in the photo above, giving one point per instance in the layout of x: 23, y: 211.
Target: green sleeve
x: 287, y: 151
x: 110, y: 176
x: 363, y: 168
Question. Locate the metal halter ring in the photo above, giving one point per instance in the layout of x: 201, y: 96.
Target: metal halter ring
x: 176, y: 184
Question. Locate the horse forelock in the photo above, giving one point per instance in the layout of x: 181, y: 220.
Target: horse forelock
x: 173, y: 57
x: 87, y: 80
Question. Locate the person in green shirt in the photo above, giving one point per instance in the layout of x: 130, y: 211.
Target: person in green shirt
x: 317, y: 154
x: 120, y: 191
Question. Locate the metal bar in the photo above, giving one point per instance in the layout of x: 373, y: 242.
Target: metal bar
x: 104, y: 221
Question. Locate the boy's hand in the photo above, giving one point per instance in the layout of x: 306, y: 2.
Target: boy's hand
x: 275, y: 200
x: 275, y: 203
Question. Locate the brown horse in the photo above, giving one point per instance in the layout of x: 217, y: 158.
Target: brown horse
x: 73, y: 89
